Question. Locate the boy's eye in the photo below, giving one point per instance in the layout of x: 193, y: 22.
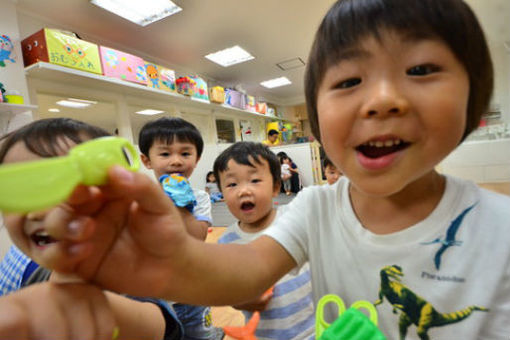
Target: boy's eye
x: 345, y: 84
x: 164, y: 154
x: 255, y: 180
x: 422, y: 70
x: 230, y: 185
x: 186, y: 154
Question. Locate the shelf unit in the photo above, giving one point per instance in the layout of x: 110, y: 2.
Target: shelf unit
x: 7, y: 111
x: 47, y: 71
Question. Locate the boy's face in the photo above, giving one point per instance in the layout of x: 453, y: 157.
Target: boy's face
x: 249, y: 192
x: 392, y: 110
x: 273, y: 138
x: 26, y: 230
x: 178, y: 157
x: 332, y: 174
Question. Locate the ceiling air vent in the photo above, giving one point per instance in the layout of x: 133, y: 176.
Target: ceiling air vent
x: 290, y: 64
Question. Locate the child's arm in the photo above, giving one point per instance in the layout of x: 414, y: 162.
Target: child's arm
x: 195, y: 228
x: 139, y: 246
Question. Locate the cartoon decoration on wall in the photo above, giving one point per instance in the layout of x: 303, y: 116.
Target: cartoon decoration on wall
x: 6, y: 48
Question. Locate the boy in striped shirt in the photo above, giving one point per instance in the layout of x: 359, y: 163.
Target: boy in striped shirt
x: 248, y: 175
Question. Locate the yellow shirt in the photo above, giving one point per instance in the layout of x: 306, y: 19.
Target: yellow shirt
x: 269, y: 143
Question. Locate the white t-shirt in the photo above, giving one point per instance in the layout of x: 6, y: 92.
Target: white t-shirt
x: 431, y: 284
x: 213, y: 187
x: 202, y: 211
x: 290, y: 313
x: 285, y: 170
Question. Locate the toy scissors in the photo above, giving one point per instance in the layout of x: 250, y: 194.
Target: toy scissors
x: 38, y: 185
x: 351, y: 324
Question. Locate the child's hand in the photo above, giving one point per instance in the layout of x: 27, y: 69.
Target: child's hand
x: 137, y: 231
x: 56, y: 311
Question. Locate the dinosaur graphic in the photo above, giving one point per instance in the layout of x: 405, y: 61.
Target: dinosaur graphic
x: 450, y: 240
x: 414, y: 309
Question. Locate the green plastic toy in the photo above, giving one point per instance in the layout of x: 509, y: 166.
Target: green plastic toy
x: 350, y: 325
x: 38, y: 185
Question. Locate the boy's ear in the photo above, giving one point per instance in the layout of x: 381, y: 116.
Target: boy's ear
x: 276, y: 189
x: 146, y: 161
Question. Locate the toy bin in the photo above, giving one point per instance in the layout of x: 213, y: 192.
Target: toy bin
x: 217, y: 94
x: 199, y: 88
x: 185, y: 85
x: 250, y: 104
x: 262, y: 108
x: 61, y: 48
x: 121, y: 65
x: 160, y: 77
x: 235, y: 98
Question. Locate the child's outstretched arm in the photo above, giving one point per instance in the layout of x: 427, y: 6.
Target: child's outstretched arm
x: 138, y: 245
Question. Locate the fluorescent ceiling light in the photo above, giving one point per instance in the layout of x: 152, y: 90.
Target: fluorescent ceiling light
x: 276, y: 82
x: 53, y: 110
x: 75, y: 103
x: 140, y: 12
x: 149, y: 112
x: 230, y: 56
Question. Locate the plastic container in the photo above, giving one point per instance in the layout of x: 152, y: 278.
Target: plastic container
x: 13, y: 97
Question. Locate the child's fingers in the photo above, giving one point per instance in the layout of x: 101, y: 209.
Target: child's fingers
x: 139, y: 187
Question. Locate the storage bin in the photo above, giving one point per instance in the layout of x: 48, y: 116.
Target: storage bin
x: 217, y: 94
x: 199, y: 88
x: 123, y: 65
x: 235, y: 98
x: 185, y: 85
x: 160, y: 77
x: 61, y: 48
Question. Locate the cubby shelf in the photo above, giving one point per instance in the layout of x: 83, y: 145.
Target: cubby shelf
x: 65, y: 75
x: 13, y: 109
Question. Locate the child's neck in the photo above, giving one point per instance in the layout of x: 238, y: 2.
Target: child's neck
x: 385, y: 215
x: 259, y: 225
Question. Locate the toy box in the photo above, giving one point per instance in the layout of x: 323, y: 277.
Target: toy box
x: 160, y: 77
x: 61, y: 48
x: 235, y: 98
x: 199, y: 89
x: 123, y: 65
x: 185, y: 85
x: 262, y: 108
x: 217, y: 94
x: 250, y: 104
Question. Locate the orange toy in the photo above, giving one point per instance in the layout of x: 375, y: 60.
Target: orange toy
x: 247, y: 332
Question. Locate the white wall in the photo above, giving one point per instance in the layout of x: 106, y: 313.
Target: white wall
x: 480, y: 161
x: 301, y: 155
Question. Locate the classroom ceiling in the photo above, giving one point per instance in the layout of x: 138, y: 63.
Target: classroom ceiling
x: 272, y: 30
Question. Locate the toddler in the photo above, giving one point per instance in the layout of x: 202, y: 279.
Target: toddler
x: 211, y: 187
x: 249, y: 177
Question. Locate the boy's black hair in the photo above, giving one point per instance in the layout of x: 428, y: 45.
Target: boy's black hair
x: 45, y: 137
x: 272, y: 132
x: 168, y: 130
x: 209, y: 174
x: 246, y: 153
x: 349, y: 21
x: 327, y: 162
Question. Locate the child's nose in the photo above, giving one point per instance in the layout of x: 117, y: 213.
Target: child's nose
x: 175, y: 160
x: 244, y: 190
x: 385, y: 99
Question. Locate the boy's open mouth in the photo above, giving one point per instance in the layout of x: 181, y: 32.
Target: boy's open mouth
x: 247, y: 206
x: 376, y: 149
x: 41, y: 238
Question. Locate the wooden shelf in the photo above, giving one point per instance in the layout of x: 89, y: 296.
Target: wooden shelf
x: 65, y: 75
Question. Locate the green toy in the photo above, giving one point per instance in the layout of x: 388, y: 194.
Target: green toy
x: 350, y: 325
x: 38, y: 185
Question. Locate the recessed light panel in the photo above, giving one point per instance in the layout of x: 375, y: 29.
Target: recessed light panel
x: 230, y: 56
x: 140, y: 12
x: 277, y: 82
x: 149, y: 112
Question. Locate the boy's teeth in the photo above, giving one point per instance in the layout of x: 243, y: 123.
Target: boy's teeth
x: 380, y: 144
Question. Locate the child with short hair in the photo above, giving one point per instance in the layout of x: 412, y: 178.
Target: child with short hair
x: 76, y: 310
x: 285, y: 174
x: 173, y: 146
x: 392, y: 88
x: 211, y: 187
x: 330, y: 171
x: 249, y: 177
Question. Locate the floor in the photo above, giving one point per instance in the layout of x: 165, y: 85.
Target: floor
x: 228, y: 316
